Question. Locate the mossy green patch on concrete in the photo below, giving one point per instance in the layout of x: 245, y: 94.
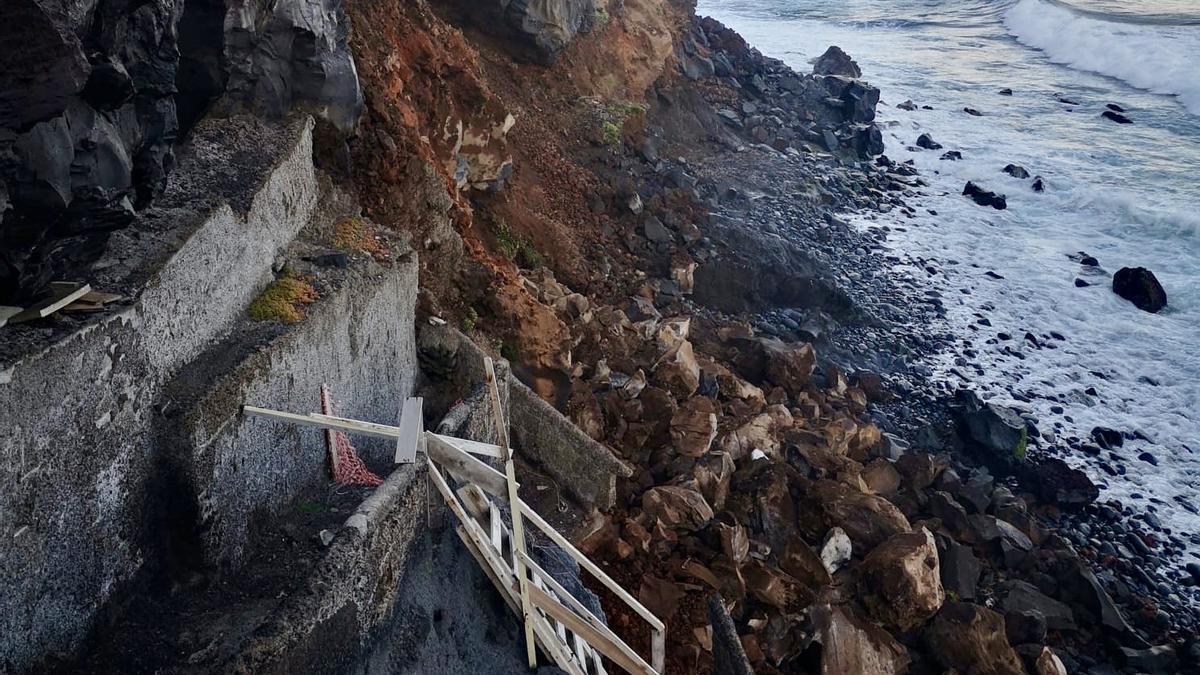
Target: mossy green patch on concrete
x: 283, y: 300
x: 353, y: 235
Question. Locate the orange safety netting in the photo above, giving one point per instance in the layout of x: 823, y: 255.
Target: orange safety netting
x: 347, y: 468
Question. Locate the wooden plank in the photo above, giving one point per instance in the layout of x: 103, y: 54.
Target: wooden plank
x: 474, y: 499
x: 658, y: 650
x: 64, y: 293
x: 584, y: 613
x: 583, y: 652
x: 509, y: 594
x: 553, y: 648
x: 598, y: 640
x: 472, y: 470
x: 472, y: 528
x: 497, y: 529
x: 411, y: 426
x: 518, y: 530
x: 325, y: 422
x: 598, y: 663
x: 474, y: 447
x: 587, y: 564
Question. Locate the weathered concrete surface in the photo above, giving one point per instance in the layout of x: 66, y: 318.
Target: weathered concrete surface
x: 360, y: 342
x: 585, y: 468
x: 354, y: 590
x: 542, y: 436
x: 79, y: 415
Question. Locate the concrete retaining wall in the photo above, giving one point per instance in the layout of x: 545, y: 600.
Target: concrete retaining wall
x: 79, y: 416
x: 542, y: 435
x: 360, y: 342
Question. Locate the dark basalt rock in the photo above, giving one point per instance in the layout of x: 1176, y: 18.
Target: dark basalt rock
x: 1107, y: 438
x: 999, y: 433
x: 541, y: 28
x: 951, y: 156
x: 1016, y: 171
x: 972, y: 112
x: 1005, y: 92
x: 293, y: 55
x: 81, y: 144
x: 87, y: 142
x: 1116, y: 117
x: 926, y: 141
x: 984, y: 197
x: 1139, y: 286
x: 1056, y: 482
x: 1039, y: 184
x: 836, y: 62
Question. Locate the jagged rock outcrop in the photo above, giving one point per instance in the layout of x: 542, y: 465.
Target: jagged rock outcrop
x: 87, y: 125
x: 543, y: 28
x: 93, y: 93
x: 836, y: 62
x: 835, y: 108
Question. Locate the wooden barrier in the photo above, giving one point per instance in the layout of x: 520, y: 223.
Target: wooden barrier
x: 573, y: 637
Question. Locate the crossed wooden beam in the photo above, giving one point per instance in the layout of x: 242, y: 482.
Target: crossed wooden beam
x: 571, y: 634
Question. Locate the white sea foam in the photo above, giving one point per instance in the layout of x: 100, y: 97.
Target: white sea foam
x: 1156, y: 57
x: 1125, y: 194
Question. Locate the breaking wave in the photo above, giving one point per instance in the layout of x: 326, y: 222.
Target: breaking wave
x: 1155, y: 54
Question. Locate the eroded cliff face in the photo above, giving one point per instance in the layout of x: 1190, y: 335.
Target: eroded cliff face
x: 488, y: 99
x: 96, y: 94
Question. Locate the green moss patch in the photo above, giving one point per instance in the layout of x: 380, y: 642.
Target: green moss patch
x: 283, y: 300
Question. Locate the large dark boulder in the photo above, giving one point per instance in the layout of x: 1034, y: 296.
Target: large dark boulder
x: 836, y: 62
x: 87, y: 125
x: 292, y: 55
x: 997, y: 432
x: 1139, y: 286
x: 984, y: 197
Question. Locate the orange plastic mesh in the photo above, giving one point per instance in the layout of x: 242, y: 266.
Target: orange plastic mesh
x: 346, y: 467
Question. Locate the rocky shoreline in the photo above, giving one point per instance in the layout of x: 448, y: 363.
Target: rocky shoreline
x: 808, y: 520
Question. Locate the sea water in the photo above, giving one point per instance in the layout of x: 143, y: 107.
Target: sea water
x: 1128, y: 195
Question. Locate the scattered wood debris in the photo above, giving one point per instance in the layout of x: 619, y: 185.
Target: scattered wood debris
x: 63, y: 293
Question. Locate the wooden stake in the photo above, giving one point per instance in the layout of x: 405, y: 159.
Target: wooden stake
x: 514, y: 499
x: 330, y: 440
x: 412, y: 423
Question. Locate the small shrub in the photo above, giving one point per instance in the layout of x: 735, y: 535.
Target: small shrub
x: 611, y: 133
x: 508, y: 352
x: 353, y: 236
x: 514, y: 247
x: 470, y: 320
x: 602, y: 17
x: 283, y: 300
x: 508, y: 242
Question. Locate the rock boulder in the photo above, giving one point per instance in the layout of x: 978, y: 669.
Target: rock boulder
x: 899, y: 582
x: 970, y: 639
x: 836, y: 62
x: 1139, y: 286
